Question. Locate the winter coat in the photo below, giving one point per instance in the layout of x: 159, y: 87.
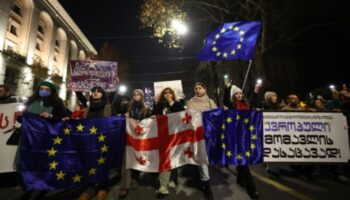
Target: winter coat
x: 201, y: 103
x: 164, y: 108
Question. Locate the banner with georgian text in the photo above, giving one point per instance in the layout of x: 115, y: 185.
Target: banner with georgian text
x: 7, y: 124
x: 85, y: 75
x: 305, y: 137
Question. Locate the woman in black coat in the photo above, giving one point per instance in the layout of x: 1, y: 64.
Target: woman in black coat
x: 165, y: 104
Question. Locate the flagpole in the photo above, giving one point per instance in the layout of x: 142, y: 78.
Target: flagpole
x: 216, y: 85
x: 246, y: 74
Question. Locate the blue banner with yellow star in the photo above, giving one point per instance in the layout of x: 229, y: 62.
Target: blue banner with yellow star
x: 233, y: 136
x: 234, y: 40
x: 70, y: 154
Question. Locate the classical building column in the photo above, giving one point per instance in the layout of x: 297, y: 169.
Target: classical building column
x: 4, y: 16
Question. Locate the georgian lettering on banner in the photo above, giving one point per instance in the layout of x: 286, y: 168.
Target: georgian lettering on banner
x: 305, y: 137
x: 7, y: 125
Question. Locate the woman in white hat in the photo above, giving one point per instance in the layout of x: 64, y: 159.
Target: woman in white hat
x: 238, y: 101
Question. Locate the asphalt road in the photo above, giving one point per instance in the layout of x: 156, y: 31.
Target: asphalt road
x: 223, y: 183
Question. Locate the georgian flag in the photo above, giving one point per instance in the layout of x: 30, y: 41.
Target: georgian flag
x: 164, y: 143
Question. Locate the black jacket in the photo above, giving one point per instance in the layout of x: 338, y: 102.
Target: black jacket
x: 160, y: 107
x: 136, y: 112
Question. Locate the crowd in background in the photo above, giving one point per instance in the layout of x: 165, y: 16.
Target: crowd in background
x: 97, y: 104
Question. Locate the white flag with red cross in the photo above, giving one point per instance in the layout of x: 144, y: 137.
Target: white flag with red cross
x: 164, y: 143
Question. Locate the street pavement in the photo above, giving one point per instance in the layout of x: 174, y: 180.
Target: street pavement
x: 223, y: 183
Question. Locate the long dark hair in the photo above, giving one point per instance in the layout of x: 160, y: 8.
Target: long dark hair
x: 161, y: 98
x: 104, y: 97
x: 52, y: 100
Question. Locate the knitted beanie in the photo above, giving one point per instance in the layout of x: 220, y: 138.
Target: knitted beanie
x: 138, y: 91
x: 234, y: 90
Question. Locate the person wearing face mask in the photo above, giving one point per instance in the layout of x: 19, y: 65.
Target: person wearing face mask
x: 46, y: 103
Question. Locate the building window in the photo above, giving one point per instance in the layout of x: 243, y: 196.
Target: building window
x: 55, y: 56
x: 40, y: 29
x: 57, y: 43
x: 13, y: 30
x: 16, y: 9
x: 37, y: 46
x: 10, y: 48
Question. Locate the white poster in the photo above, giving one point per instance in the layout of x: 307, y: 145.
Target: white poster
x: 305, y: 137
x: 175, y: 85
x: 7, y: 123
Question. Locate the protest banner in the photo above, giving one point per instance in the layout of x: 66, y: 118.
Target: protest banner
x: 7, y: 124
x: 85, y: 75
x: 176, y: 85
x: 305, y: 137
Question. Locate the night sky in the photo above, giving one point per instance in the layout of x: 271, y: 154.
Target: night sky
x: 116, y: 22
x: 320, y: 55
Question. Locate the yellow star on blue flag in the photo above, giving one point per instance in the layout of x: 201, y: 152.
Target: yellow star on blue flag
x: 241, y: 143
x: 234, y: 40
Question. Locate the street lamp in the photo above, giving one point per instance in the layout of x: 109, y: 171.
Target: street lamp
x: 259, y: 81
x: 122, y: 89
x: 179, y: 26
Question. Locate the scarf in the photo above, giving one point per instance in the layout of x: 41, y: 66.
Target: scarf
x: 241, y: 106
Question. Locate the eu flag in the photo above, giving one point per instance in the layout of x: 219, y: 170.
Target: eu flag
x: 233, y: 136
x: 235, y: 40
x: 70, y: 154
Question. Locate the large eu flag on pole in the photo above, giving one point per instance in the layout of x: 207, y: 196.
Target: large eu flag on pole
x: 233, y: 136
x: 235, y: 40
x: 70, y: 154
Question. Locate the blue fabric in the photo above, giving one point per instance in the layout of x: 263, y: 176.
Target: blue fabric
x: 235, y: 40
x: 78, y: 154
x: 233, y: 136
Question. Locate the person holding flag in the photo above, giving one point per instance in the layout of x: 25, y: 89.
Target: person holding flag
x: 137, y: 110
x: 99, y: 107
x: 166, y: 104
x: 239, y: 102
x: 201, y: 102
x: 46, y: 103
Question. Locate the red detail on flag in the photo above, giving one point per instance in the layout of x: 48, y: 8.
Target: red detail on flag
x: 141, y: 160
x: 187, y: 118
x: 138, y: 129
x: 189, y: 153
x: 165, y: 141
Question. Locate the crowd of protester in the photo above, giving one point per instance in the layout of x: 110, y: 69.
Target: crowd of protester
x: 46, y: 103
